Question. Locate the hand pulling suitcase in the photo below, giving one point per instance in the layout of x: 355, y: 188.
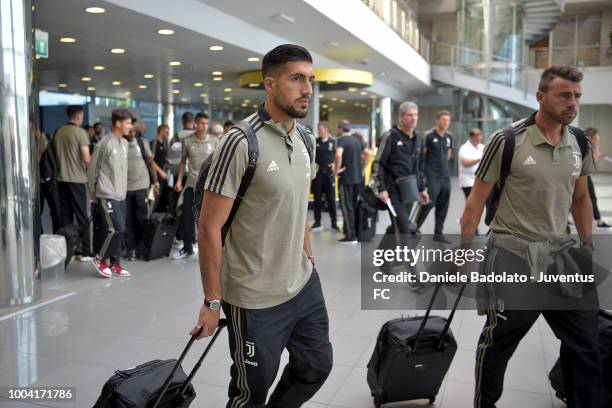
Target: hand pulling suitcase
x: 605, y: 342
x: 154, y: 384
x: 157, y: 238
x: 366, y: 221
x: 412, y: 356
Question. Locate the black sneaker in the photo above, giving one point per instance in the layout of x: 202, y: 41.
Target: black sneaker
x: 316, y: 226
x: 131, y: 256
x: 335, y: 227
x: 441, y: 238
x: 348, y: 240
x: 603, y: 224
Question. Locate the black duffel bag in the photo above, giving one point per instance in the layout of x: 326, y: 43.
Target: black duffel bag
x: 154, y: 384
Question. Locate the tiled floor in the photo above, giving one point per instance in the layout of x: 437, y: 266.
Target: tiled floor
x: 101, y: 325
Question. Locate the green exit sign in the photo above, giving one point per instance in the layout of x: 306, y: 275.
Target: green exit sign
x: 41, y: 41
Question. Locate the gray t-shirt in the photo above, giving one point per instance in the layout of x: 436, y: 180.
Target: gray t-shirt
x: 107, y: 172
x: 196, y: 151
x: 67, y: 143
x: 264, y: 263
x: 138, y: 173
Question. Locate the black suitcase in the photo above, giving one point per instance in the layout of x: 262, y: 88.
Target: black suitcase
x: 605, y: 341
x: 154, y: 384
x: 157, y: 238
x: 366, y: 221
x: 412, y: 356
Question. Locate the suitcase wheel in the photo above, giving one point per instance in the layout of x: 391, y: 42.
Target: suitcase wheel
x: 432, y: 400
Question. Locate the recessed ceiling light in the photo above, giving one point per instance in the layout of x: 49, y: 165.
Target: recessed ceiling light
x: 364, y: 93
x: 254, y: 105
x: 227, y: 98
x: 352, y: 89
x: 247, y: 101
x: 331, y: 44
x: 174, y: 63
x: 117, y: 51
x: 183, y: 99
x: 149, y: 76
x: 128, y: 93
x: 325, y: 106
x: 217, y: 73
x: 68, y: 40
x: 321, y: 96
x: 175, y: 80
x: 216, y: 48
x: 91, y: 88
x: 330, y: 110
x: 217, y: 79
x: 227, y: 90
x: 198, y: 84
x: 342, y: 101
x: 116, y: 83
x: 331, y: 82
x: 254, y: 85
x: 165, y: 31
x: 62, y: 85
x: 357, y: 104
x: 95, y: 10
x: 176, y: 91
x: 203, y: 95
x: 142, y: 86
x: 99, y: 68
x: 86, y: 79
x: 253, y: 59
x: 283, y: 18
x: 334, y: 99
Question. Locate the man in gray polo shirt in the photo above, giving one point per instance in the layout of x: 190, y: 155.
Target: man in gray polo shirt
x: 264, y: 275
x: 547, y: 180
x: 107, y: 177
x: 196, y: 148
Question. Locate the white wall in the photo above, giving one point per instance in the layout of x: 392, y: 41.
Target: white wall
x: 599, y: 117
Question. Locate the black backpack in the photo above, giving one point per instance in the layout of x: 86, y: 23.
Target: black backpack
x: 48, y: 166
x: 507, y: 154
x: 253, y: 153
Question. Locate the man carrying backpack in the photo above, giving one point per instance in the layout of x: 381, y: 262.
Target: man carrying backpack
x: 263, y: 276
x: 547, y: 178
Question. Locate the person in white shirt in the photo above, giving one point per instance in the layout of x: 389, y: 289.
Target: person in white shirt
x: 470, y: 154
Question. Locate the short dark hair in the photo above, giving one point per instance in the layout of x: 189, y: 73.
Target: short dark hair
x: 228, y: 123
x: 345, y: 125
x: 187, y: 117
x: 282, y: 54
x: 120, y: 114
x: 201, y: 115
x: 97, y: 123
x: 590, y: 131
x: 444, y: 112
x: 325, y: 124
x: 475, y: 132
x: 73, y: 110
x: 558, y: 71
x: 162, y: 126
x: 86, y: 127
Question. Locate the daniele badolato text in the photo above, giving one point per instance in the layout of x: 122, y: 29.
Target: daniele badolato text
x: 451, y: 259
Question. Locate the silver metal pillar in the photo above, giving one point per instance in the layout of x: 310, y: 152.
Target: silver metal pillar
x: 168, y: 116
x: 313, y: 117
x: 385, y: 113
x: 19, y: 185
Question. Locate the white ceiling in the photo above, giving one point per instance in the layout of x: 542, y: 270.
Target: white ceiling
x: 149, y: 53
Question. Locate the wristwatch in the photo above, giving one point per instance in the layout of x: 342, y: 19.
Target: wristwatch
x: 214, y: 304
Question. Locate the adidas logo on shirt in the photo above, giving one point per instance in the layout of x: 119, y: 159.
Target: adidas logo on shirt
x: 273, y: 166
x: 529, y: 161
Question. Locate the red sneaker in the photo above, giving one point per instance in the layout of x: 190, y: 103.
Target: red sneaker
x: 101, y: 267
x: 119, y: 271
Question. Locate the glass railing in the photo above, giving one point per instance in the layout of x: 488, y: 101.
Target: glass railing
x: 402, y: 19
x: 477, y: 63
x: 582, y: 56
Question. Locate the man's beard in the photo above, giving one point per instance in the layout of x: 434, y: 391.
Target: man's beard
x: 559, y: 117
x: 292, y: 112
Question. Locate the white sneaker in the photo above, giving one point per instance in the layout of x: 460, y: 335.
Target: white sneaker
x: 177, y: 244
x: 83, y: 258
x: 182, y: 255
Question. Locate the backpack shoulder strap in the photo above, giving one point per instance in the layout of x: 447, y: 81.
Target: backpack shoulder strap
x: 305, y: 135
x: 507, y: 154
x: 253, y: 155
x: 142, y: 148
x: 581, y: 138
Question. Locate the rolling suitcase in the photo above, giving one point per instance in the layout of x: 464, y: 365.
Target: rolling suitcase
x: 605, y: 341
x: 366, y: 221
x: 155, y: 384
x: 412, y: 356
x: 157, y: 238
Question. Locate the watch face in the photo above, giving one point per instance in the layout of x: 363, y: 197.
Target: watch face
x: 214, y: 305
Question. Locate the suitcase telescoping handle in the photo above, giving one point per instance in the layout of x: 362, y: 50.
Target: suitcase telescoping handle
x: 222, y: 324
x: 428, y: 312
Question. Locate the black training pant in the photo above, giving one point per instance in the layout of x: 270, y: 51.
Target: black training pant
x: 257, y: 338
x: 349, y: 194
x: 188, y: 220
x: 73, y: 204
x: 136, y: 217
x: 324, y: 183
x: 109, y: 227
x: 596, y: 214
x: 439, y: 193
x: 49, y: 192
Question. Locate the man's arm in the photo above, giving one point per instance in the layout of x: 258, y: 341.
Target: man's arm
x: 365, y: 158
x: 582, y: 211
x: 179, y: 180
x: 215, y: 211
x: 151, y: 166
x: 474, y: 206
x: 85, y: 155
x: 307, y: 243
x: 338, y: 161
